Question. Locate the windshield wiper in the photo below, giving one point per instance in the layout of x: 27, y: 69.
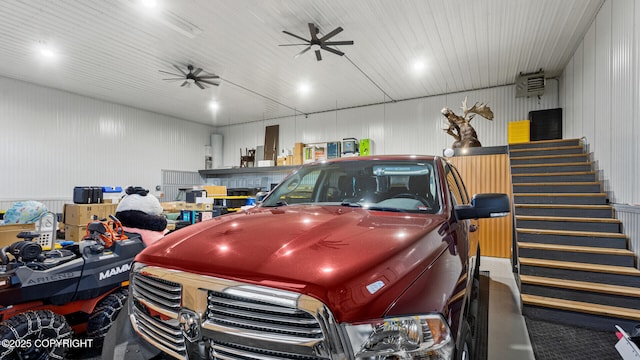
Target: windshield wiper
x: 350, y: 204
x: 278, y: 204
x: 381, y: 208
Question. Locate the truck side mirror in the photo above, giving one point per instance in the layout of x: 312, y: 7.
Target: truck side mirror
x: 484, y: 206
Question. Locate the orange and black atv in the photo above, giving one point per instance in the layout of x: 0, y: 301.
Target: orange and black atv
x: 48, y: 296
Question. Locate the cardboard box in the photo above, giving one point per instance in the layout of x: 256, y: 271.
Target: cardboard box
x: 297, y: 152
x: 172, y: 206
x: 197, y: 206
x: 265, y: 163
x: 9, y: 233
x: 75, y: 232
x: 215, y: 190
x: 82, y: 214
x: 285, y: 160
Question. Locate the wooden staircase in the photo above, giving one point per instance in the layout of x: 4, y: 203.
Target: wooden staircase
x: 575, y: 265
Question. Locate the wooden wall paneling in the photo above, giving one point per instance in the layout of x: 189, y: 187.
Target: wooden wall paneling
x: 489, y: 174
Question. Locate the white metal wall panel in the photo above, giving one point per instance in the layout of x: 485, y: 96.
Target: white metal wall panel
x: 635, y: 127
x: 412, y: 126
x: 622, y: 73
x: 578, y: 94
x: 588, y: 85
x: 173, y: 181
x: 51, y: 141
x: 630, y: 217
x: 601, y: 143
x: 600, y: 84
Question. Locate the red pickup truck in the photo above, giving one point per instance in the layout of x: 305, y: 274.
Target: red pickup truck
x: 353, y: 258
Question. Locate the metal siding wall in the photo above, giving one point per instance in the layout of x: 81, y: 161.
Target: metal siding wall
x: 489, y: 174
x: 601, y: 143
x: 412, y: 126
x: 621, y: 96
x: 53, y: 140
x: 601, y: 99
x: 630, y: 217
x: 173, y: 180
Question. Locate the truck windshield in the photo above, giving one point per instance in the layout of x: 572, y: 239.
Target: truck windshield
x: 398, y: 186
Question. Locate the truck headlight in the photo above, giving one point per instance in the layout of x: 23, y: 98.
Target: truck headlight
x: 410, y: 337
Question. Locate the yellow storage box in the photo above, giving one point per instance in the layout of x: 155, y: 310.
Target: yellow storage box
x: 519, y: 132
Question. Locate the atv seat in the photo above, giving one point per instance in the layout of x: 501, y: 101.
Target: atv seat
x: 54, y: 258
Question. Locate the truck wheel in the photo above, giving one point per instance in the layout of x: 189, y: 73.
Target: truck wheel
x: 104, y: 316
x: 26, y: 333
x: 466, y: 348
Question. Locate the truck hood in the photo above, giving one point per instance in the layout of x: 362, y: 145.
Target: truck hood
x: 352, y: 259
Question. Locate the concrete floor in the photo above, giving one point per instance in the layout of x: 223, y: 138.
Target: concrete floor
x: 508, y: 337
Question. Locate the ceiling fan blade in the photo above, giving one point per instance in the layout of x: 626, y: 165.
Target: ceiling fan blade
x: 337, y: 52
x: 180, y: 70
x: 292, y: 44
x: 318, y: 55
x: 332, y: 43
x: 208, y: 77
x: 184, y: 83
x: 296, y: 36
x: 198, y: 70
x: 199, y: 85
x: 303, y: 51
x: 209, y: 82
x: 169, y: 73
x: 314, y: 31
x: 331, y: 34
x: 173, y: 79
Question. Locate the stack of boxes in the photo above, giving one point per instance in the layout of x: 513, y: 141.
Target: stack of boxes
x: 78, y: 216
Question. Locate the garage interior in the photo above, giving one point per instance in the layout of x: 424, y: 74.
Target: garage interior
x: 173, y: 96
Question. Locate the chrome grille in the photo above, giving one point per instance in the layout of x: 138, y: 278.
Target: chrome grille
x: 229, y: 351
x: 155, y: 309
x: 238, y: 321
x: 241, y: 313
x: 162, y: 295
x: 165, y: 334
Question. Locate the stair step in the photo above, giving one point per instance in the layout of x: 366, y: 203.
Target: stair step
x: 545, y: 143
x: 581, y: 286
x: 550, y: 159
x: 576, y: 176
x: 574, y: 238
x: 568, y: 223
x: 551, y: 168
x: 608, y: 274
x: 581, y: 254
x: 595, y: 211
x: 557, y: 150
x: 582, y: 307
x: 557, y: 187
x: 561, y: 198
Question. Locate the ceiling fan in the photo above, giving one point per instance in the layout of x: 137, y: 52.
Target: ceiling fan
x: 317, y: 44
x: 191, y: 77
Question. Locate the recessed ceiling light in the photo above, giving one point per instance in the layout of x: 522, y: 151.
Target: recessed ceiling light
x: 46, y: 51
x: 151, y: 4
x: 304, y: 88
x: 419, y: 66
x: 213, y: 105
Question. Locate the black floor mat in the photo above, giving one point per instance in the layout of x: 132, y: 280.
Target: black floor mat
x: 551, y: 341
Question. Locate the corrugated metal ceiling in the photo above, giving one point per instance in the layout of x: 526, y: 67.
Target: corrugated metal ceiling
x: 113, y: 50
